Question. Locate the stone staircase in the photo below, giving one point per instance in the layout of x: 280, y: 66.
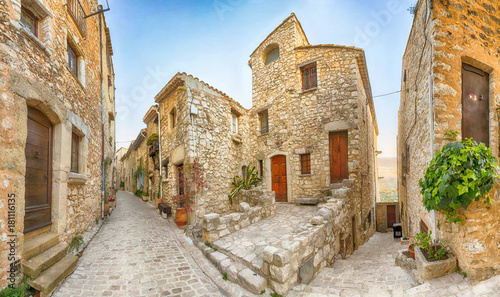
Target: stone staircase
x: 47, y: 261
x: 338, y: 191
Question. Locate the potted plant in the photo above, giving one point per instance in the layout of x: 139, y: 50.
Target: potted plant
x: 158, y: 198
x: 122, y: 185
x: 433, y: 260
x: 190, y: 181
x: 106, y: 207
x: 112, y: 202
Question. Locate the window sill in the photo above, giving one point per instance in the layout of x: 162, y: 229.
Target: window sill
x: 263, y: 134
x: 308, y: 90
x: 305, y: 175
x: 77, y: 178
x: 236, y: 138
x: 35, y: 40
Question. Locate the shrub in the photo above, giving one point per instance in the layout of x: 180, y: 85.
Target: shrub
x: 251, y: 179
x: 462, y: 172
x: 152, y: 138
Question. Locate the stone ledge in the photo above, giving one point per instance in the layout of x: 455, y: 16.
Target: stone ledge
x: 77, y: 178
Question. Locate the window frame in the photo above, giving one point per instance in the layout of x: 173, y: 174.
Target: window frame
x: 75, y: 152
x: 72, y: 51
x: 32, y: 16
x: 264, y: 129
x: 235, y: 123
x: 305, y: 164
x: 312, y: 79
x: 173, y: 117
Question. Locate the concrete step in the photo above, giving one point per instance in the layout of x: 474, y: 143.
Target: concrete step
x: 39, y: 244
x: 34, y: 266
x: 50, y: 278
x: 307, y: 201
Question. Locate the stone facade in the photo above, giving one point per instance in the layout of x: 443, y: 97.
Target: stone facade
x: 134, y: 164
x: 445, y: 36
x: 120, y: 170
x: 34, y: 73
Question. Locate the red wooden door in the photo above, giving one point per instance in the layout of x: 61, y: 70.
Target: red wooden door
x: 279, y: 181
x: 475, y: 104
x: 38, y: 185
x: 391, y: 215
x: 338, y: 157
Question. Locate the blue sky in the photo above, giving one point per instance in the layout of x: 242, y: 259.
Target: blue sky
x: 153, y: 40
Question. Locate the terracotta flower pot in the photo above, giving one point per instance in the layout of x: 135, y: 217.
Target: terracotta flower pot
x: 181, y: 217
x: 411, y: 250
x: 157, y: 201
x: 112, y: 204
x: 145, y: 198
x: 106, y: 208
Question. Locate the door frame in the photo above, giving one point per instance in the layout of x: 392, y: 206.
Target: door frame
x: 268, y: 175
x: 330, y: 153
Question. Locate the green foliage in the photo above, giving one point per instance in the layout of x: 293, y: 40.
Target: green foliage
x: 262, y: 292
x: 152, y: 138
x: 451, y: 134
x: 110, y: 139
x: 224, y: 277
x: 139, y: 169
x: 97, y: 221
x: 464, y: 274
x: 139, y: 193
x: 275, y: 295
x: 75, y: 243
x: 425, y: 241
x: 462, y: 172
x: 21, y: 289
x: 108, y: 161
x: 251, y: 179
x: 122, y: 184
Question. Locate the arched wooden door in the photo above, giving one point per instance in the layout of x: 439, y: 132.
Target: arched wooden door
x: 279, y: 180
x: 38, y: 180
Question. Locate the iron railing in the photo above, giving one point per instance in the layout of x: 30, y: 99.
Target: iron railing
x: 76, y: 9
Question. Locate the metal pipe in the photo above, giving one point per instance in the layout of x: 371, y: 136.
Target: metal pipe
x: 194, y: 152
x: 103, y: 168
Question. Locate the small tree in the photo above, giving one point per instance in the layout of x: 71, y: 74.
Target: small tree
x: 462, y: 172
x: 191, y: 181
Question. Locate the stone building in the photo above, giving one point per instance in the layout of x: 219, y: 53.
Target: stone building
x: 451, y: 44
x: 311, y: 131
x: 56, y: 134
x: 120, y: 171
x: 134, y: 164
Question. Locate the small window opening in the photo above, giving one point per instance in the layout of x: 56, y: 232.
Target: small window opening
x: 272, y: 56
x: 264, y: 122
x: 309, y: 77
x: 305, y: 163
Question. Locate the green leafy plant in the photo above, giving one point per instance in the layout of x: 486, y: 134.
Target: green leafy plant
x: 139, y: 193
x: 262, y: 292
x: 110, y: 140
x: 122, y: 184
x: 424, y: 240
x: 75, y: 243
x: 224, y: 277
x: 21, y: 289
x: 464, y: 274
x: 97, y: 221
x: 462, y: 172
x: 275, y: 295
x: 251, y: 179
x: 152, y: 138
x: 451, y: 134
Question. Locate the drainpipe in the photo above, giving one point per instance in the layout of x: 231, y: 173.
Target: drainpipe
x: 102, y: 120
x: 431, y: 125
x: 159, y: 145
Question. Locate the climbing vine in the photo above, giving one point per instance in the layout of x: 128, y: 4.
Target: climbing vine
x: 462, y: 172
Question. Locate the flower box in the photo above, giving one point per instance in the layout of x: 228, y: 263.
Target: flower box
x: 433, y: 269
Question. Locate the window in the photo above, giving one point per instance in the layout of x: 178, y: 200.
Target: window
x: 423, y: 227
x: 264, y: 122
x: 75, y: 143
x: 72, y: 60
x: 305, y: 163
x: 29, y: 21
x: 273, y: 55
x: 234, y: 123
x: 309, y: 78
x: 172, y: 118
x: 261, y: 168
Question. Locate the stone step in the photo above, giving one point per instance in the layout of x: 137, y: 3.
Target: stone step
x: 340, y: 193
x: 336, y: 185
x: 307, y: 201
x: 39, y: 244
x: 50, y: 278
x: 34, y: 266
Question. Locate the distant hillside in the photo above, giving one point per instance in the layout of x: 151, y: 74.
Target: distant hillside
x: 387, y: 167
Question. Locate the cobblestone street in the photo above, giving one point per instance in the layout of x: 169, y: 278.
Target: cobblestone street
x: 137, y: 253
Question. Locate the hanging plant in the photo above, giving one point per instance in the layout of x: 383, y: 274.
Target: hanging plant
x: 462, y: 172
x: 152, y: 138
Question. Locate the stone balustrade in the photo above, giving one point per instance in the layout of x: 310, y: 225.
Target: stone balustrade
x: 300, y: 256
x: 253, y: 206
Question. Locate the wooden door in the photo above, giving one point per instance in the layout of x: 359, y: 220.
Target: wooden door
x: 279, y: 181
x: 38, y: 182
x: 391, y: 215
x: 475, y: 104
x: 339, y: 169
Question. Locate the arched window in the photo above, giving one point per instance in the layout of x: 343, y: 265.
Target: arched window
x: 272, y: 55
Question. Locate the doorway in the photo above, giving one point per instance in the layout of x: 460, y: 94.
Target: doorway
x: 279, y: 178
x: 339, y: 169
x: 475, y: 104
x: 38, y: 179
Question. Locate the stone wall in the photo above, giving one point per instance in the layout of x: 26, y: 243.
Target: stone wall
x: 252, y: 206
x: 457, y: 33
x: 34, y: 73
x: 300, y: 255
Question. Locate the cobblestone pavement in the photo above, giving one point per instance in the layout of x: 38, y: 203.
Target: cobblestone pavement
x: 371, y: 271
x: 249, y: 242
x: 137, y: 253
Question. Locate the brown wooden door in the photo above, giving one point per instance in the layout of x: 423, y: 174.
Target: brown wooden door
x: 38, y: 183
x: 475, y: 104
x: 391, y: 215
x: 338, y: 157
x: 279, y: 181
